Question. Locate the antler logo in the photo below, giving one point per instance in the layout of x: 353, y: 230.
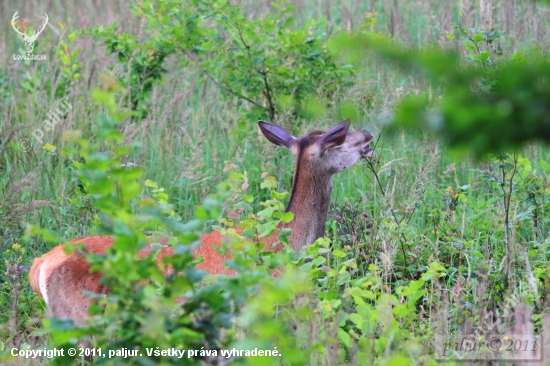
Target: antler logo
x: 29, y: 40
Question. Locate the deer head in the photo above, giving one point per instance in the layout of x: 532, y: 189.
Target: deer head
x: 29, y: 40
x: 324, y: 152
x: 319, y: 155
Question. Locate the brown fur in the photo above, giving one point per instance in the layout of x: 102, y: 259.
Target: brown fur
x: 319, y: 155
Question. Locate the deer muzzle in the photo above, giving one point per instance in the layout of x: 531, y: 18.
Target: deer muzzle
x: 367, y: 151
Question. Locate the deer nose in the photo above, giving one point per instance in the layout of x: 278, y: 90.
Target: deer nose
x: 367, y: 150
x: 368, y: 135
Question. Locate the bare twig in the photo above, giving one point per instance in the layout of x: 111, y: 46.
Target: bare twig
x: 267, y: 93
x: 397, y: 221
x: 209, y: 75
x: 507, y: 197
x: 220, y: 85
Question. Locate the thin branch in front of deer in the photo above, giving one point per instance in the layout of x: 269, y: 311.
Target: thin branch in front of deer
x: 207, y: 73
x: 242, y: 39
x: 507, y: 197
x: 267, y: 94
x: 465, y: 33
x: 220, y: 85
x: 399, y: 235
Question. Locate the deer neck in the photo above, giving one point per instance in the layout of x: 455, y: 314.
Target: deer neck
x: 309, y: 202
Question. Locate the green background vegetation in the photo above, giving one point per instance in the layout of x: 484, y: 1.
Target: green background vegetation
x: 424, y: 239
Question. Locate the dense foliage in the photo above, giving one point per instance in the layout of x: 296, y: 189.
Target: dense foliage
x: 490, y: 102
x: 264, y: 61
x: 420, y: 242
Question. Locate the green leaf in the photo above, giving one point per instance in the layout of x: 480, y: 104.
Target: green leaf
x: 266, y: 213
x: 478, y: 37
x: 484, y: 55
x: 285, y: 217
x: 402, y: 310
x: 266, y: 229
x: 416, y: 285
x: 279, y: 195
x: 269, y: 183
x: 65, y: 59
x: 344, y: 337
x: 318, y: 261
x: 201, y: 213
x: 150, y: 183
x: 356, y: 319
x: 338, y: 253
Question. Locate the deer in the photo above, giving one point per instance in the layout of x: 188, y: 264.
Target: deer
x: 61, y: 278
x: 29, y: 40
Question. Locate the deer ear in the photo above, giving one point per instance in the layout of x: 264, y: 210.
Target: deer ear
x: 276, y: 134
x: 335, y: 136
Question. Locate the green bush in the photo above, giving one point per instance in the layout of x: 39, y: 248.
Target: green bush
x: 264, y: 62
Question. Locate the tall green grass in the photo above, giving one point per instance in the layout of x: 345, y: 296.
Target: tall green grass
x: 191, y: 130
